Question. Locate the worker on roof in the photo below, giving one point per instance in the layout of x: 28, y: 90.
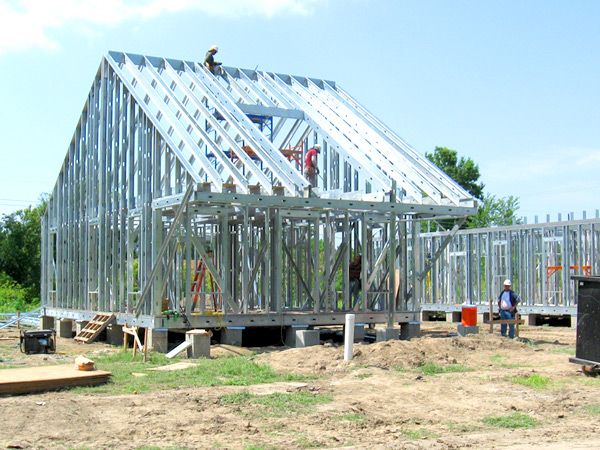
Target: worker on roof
x: 310, y: 165
x: 209, y: 60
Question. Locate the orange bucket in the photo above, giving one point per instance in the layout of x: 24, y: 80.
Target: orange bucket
x: 469, y: 316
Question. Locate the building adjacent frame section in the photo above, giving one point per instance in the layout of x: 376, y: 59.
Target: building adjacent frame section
x: 539, y: 259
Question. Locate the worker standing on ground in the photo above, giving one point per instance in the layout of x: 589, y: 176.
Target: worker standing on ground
x: 310, y: 165
x: 507, y: 304
x: 354, y: 270
x: 209, y: 60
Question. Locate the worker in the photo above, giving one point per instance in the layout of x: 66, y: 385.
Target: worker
x: 310, y: 165
x: 507, y: 304
x: 209, y: 60
x: 354, y: 273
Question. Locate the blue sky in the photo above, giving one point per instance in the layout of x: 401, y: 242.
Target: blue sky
x: 512, y: 84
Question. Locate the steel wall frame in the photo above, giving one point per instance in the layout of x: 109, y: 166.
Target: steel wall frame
x: 539, y: 259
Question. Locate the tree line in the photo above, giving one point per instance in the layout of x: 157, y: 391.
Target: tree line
x: 20, y: 258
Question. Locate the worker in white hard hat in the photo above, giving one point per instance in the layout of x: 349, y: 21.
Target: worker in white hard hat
x: 209, y: 60
x: 310, y: 165
x: 507, y: 305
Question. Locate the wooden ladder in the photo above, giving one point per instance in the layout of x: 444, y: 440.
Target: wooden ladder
x: 94, y: 327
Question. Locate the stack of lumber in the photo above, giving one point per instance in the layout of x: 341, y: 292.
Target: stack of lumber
x: 48, y: 378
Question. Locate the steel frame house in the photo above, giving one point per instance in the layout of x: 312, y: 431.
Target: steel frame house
x: 184, y: 191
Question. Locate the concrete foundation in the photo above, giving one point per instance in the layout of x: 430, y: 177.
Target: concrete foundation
x: 530, y: 319
x: 481, y: 317
x: 463, y: 330
x: 359, y: 332
x: 114, y: 334
x: 65, y: 328
x: 80, y: 325
x: 425, y: 316
x: 410, y: 330
x: 290, y: 334
x: 46, y: 323
x: 453, y: 316
x: 232, y: 336
x: 308, y: 338
x: 158, y: 339
x: 574, y: 321
x: 200, y: 340
x: 386, y: 334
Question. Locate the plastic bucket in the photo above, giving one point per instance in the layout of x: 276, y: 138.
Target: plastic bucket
x: 469, y: 316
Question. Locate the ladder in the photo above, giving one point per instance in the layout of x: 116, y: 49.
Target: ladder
x: 94, y: 327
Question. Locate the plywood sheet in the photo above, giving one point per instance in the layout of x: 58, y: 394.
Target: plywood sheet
x: 48, y: 378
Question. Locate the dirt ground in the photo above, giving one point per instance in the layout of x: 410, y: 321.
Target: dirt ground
x: 379, y: 400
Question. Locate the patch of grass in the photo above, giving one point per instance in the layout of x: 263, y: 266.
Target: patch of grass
x: 258, y: 447
x: 356, y: 418
x: 534, y: 381
x: 588, y: 381
x: 498, y: 359
x: 434, y: 369
x: 512, y: 421
x: 238, y: 371
x: 419, y: 434
x: 305, y: 443
x: 278, y: 404
x: 530, y: 343
x: 592, y: 409
x: 362, y: 376
x: 462, y: 428
x: 566, y: 350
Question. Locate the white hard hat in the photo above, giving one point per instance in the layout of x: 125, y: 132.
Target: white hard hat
x: 507, y: 282
x: 214, y: 47
x: 317, y: 147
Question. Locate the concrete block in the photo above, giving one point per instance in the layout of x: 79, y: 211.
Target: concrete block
x: 464, y: 330
x: 114, y: 334
x: 307, y: 338
x: 232, y: 336
x: 200, y: 340
x: 481, y: 317
x: 80, y: 325
x: 47, y: 323
x: 410, y: 330
x: 531, y: 319
x: 359, y: 332
x: 65, y: 328
x: 425, y: 316
x: 573, y: 320
x: 453, y: 316
x: 158, y: 339
x: 386, y: 334
x: 290, y: 334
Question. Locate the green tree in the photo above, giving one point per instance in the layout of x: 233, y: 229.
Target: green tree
x: 495, y: 212
x: 464, y: 171
x: 492, y: 211
x: 20, y: 247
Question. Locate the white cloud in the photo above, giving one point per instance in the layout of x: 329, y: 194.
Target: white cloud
x: 24, y: 24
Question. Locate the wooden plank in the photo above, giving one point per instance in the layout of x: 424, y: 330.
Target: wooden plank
x: 45, y: 378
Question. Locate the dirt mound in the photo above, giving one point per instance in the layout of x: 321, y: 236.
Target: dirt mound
x: 401, y: 354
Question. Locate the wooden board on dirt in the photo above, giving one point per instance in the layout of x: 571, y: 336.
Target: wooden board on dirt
x: 48, y: 378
